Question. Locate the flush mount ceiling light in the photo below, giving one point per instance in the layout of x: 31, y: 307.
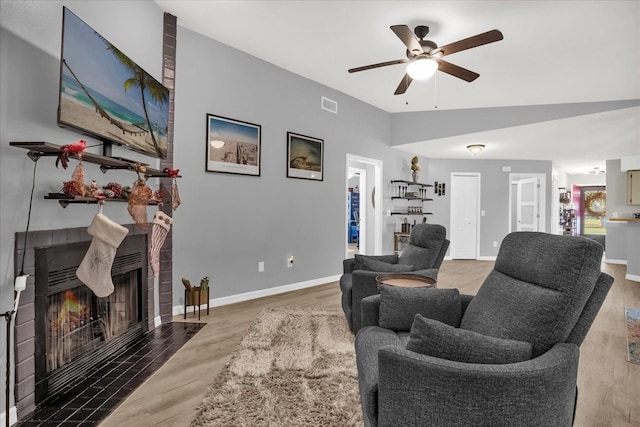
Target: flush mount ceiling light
x: 475, y: 149
x: 216, y: 143
x: 422, y: 69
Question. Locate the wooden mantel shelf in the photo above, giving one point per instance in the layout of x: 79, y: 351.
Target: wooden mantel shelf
x: 40, y: 149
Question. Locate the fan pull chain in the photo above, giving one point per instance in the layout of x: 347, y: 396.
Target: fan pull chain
x: 435, y: 91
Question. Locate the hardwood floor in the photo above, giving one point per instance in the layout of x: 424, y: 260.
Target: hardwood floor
x: 609, y: 386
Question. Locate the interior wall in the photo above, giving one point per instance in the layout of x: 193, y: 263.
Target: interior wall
x: 494, y: 194
x: 244, y: 220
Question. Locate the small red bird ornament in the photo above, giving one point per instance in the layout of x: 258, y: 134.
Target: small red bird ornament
x: 70, y: 150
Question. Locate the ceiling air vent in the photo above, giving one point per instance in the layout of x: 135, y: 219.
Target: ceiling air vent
x: 329, y: 105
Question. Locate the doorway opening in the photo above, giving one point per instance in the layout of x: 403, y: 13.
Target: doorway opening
x: 593, y: 210
x: 356, y: 218
x: 367, y: 173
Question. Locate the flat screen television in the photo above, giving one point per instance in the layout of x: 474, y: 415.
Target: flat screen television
x: 106, y: 95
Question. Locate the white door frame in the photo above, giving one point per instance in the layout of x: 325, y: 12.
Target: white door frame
x: 479, y: 203
x: 362, y: 212
x: 376, y: 221
x: 542, y: 197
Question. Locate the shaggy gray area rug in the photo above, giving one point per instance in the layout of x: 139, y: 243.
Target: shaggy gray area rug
x: 295, y: 367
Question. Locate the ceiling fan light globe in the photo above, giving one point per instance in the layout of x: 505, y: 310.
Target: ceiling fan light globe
x: 216, y: 143
x: 422, y: 69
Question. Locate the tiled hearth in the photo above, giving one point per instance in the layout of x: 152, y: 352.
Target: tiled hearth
x: 93, y: 399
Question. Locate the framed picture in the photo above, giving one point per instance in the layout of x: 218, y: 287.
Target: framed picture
x: 233, y: 146
x: 305, y: 157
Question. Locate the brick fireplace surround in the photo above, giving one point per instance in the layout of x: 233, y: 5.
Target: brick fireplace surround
x: 25, y: 332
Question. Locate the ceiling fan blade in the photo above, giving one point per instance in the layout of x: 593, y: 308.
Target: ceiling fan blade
x: 468, y: 43
x: 404, y: 85
x: 457, y: 71
x: 408, y: 38
x: 381, y: 64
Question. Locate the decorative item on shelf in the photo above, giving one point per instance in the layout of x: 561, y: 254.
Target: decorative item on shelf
x: 78, y: 180
x: 411, y: 195
x: 75, y: 149
x: 415, y: 168
x: 406, y: 227
x: 138, y: 201
x: 113, y: 190
x: 175, y: 196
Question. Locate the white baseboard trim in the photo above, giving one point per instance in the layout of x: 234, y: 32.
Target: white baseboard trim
x: 633, y: 277
x: 232, y: 299
x: 13, y: 415
x: 157, y: 321
x: 615, y: 261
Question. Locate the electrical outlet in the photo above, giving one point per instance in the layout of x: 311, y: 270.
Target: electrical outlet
x: 290, y: 262
x: 495, y: 244
x: 260, y: 266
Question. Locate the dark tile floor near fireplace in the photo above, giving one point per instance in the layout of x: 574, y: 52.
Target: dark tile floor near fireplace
x: 104, y: 388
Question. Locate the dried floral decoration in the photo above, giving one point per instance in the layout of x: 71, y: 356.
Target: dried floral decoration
x: 138, y: 201
x: 78, y: 180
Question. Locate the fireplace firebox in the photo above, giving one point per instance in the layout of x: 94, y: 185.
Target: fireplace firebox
x: 76, y: 330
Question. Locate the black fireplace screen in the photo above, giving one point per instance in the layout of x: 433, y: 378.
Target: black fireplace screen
x: 78, y: 322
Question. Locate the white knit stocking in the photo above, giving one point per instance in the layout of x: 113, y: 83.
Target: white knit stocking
x: 95, y: 268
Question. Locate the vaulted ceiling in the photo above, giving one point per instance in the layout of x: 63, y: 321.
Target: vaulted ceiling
x: 556, y: 56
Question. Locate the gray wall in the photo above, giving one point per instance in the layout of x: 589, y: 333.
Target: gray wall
x: 228, y: 223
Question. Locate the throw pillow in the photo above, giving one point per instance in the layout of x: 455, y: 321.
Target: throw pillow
x: 383, y: 267
x: 436, y: 339
x: 399, y: 305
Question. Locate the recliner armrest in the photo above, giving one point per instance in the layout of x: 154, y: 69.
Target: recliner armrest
x: 438, y: 392
x: 370, y: 311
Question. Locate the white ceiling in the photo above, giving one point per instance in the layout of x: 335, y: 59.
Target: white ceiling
x: 552, y: 53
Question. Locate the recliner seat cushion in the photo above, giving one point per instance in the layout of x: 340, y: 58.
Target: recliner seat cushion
x: 531, y: 294
x: 437, y: 339
x: 398, y: 306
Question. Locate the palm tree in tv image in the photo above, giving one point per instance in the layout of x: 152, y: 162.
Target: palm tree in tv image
x: 143, y: 81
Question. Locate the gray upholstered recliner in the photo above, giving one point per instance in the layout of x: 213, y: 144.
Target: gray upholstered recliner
x: 507, y: 356
x: 423, y: 255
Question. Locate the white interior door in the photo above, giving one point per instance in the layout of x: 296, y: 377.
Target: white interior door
x: 465, y: 203
x: 527, y: 195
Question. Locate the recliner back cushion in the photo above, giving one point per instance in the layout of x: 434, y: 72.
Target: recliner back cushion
x: 537, y: 290
x: 424, y: 246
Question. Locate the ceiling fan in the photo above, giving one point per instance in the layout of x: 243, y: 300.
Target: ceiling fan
x: 424, y: 57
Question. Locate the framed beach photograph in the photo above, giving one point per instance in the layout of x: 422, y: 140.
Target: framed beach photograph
x: 305, y: 157
x: 233, y: 146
